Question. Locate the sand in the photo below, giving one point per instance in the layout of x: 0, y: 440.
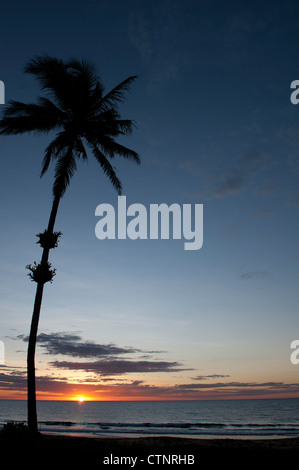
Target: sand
x: 63, y: 451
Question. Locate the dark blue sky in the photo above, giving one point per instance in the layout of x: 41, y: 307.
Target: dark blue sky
x: 214, y: 126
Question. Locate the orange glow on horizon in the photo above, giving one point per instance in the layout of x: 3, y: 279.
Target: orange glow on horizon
x: 18, y: 395
x: 129, y: 392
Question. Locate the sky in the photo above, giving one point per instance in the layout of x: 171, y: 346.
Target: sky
x: 145, y: 319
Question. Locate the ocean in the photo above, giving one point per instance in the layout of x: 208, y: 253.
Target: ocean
x: 264, y: 418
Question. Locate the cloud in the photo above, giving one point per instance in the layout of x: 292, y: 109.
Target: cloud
x: 248, y: 172
x: 214, y: 376
x: 241, y: 174
x: 120, y: 367
x: 14, y: 384
x: 255, y: 275
x: 73, y: 345
x: 109, y: 362
x: 263, y: 214
x: 161, y: 39
x: 233, y: 184
x: 13, y: 380
x: 140, y: 36
x: 224, y: 385
x: 231, y: 390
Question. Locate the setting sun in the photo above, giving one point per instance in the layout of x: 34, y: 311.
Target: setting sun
x: 81, y: 399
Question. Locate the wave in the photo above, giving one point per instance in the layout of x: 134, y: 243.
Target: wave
x: 58, y: 423
x: 170, y: 425
x: 186, y: 429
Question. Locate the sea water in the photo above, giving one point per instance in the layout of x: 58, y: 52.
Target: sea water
x: 264, y: 418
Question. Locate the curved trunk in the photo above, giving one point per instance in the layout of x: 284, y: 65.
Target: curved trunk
x: 31, y: 397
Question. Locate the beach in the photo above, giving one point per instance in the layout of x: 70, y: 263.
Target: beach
x: 142, y: 452
x: 148, y: 434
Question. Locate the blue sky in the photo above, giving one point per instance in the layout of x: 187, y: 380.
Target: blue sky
x: 214, y: 126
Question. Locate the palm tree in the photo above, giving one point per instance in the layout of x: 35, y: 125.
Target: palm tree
x: 83, y: 117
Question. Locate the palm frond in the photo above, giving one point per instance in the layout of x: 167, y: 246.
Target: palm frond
x: 78, y: 109
x: 112, y: 148
x: 116, y: 95
x: 48, y: 70
x: 97, y: 96
x: 54, y: 78
x: 64, y: 170
x: 53, y: 150
x: 109, y: 121
x: 85, y: 70
x: 19, y: 118
x: 107, y: 168
x: 80, y: 149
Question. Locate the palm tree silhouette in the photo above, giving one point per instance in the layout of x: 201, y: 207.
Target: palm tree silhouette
x: 82, y: 115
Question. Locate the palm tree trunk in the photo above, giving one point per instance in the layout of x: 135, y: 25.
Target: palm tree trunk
x: 31, y: 398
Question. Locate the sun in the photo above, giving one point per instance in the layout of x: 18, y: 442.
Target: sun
x: 81, y: 399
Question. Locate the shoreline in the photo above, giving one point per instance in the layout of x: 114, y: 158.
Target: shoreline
x: 205, y: 437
